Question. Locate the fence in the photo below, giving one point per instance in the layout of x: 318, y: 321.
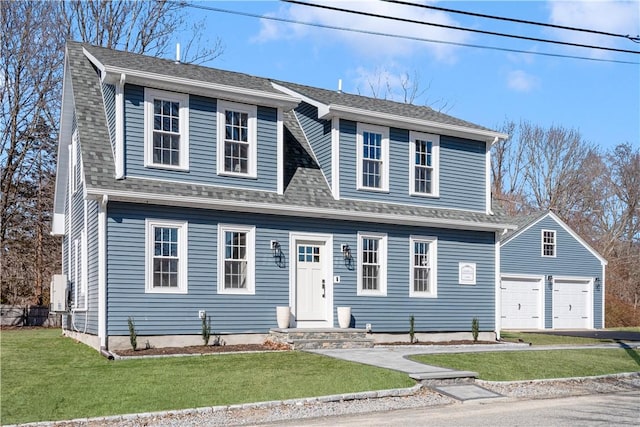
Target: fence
x: 34, y: 315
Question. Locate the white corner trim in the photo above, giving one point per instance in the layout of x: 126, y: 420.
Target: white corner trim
x: 335, y: 158
x: 497, y: 287
x: 119, y: 154
x: 487, y: 178
x: 102, y: 271
x: 280, y: 152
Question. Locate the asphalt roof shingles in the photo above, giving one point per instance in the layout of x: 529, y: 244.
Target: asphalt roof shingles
x: 305, y: 184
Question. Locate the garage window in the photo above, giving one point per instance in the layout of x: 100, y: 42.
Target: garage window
x: 548, y: 243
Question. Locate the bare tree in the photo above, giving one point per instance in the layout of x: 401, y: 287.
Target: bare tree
x: 31, y: 65
x: 507, y: 171
x: 137, y: 26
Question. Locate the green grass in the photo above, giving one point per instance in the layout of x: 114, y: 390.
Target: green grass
x: 626, y: 328
x: 545, y: 339
x: 45, y: 376
x: 538, y: 364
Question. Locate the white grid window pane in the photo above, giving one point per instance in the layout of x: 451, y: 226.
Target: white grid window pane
x: 370, y: 264
x: 421, y: 267
x: 549, y: 243
x: 165, y: 258
x: 371, y: 160
x: 236, y: 149
x: 166, y: 132
x: 235, y: 263
x: 423, y: 166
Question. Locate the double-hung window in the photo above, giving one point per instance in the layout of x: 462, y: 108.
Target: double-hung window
x: 166, y: 129
x: 373, y: 158
x: 237, y: 136
x: 423, y: 167
x: 423, y: 265
x: 166, y: 256
x: 548, y: 243
x: 372, y: 264
x: 236, y: 259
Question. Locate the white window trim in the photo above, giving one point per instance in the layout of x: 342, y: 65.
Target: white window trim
x: 433, y: 262
x: 555, y: 243
x: 251, y: 258
x: 252, y: 112
x: 435, y: 161
x: 384, y: 131
x: 183, y: 233
x: 183, y: 100
x: 382, y: 260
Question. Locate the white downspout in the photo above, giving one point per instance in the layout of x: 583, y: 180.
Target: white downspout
x: 119, y: 154
x: 102, y: 271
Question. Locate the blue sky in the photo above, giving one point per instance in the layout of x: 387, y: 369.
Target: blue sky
x: 600, y: 99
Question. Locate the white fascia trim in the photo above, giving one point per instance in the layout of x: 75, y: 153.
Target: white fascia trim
x: 280, y: 152
x: 204, y: 88
x: 66, y: 130
x: 119, y: 154
x: 98, y: 64
x: 335, y: 158
x: 392, y: 120
x: 299, y: 211
x: 603, y: 293
x: 323, y: 109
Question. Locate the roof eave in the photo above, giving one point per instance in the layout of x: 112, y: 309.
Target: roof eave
x: 292, y: 210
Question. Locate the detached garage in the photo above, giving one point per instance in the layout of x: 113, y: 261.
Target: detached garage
x: 550, y: 277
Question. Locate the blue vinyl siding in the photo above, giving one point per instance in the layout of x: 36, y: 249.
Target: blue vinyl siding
x: 462, y: 171
x: 452, y: 310
x: 109, y: 99
x: 202, y: 145
x: 522, y: 255
x: 318, y: 133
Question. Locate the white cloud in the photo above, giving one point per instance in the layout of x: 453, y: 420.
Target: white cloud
x: 520, y: 81
x: 367, y: 44
x: 618, y: 17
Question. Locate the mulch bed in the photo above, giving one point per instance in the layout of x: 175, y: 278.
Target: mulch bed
x: 458, y: 342
x: 196, y: 349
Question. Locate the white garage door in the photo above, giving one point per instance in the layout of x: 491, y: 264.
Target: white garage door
x: 571, y: 306
x: 521, y: 302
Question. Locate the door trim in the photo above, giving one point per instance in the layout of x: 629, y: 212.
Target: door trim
x: 327, y: 265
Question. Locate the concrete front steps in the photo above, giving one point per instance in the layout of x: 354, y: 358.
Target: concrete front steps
x: 318, y: 339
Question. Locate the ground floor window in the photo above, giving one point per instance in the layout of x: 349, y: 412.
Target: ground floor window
x: 372, y: 262
x: 423, y: 266
x: 236, y: 255
x: 166, y: 256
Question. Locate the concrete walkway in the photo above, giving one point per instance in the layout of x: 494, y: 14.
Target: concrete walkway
x: 396, y: 358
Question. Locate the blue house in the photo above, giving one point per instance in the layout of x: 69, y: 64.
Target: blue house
x: 183, y: 189
x: 550, y: 277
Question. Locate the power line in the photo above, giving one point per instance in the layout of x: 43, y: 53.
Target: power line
x: 635, y: 39
x: 376, y: 33
x: 452, y: 27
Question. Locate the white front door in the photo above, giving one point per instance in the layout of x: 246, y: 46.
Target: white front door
x: 312, y: 291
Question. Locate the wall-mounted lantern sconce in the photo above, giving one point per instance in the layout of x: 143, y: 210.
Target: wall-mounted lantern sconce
x: 549, y: 278
x: 347, y: 256
x: 550, y: 281
x: 276, y: 251
x: 597, y: 283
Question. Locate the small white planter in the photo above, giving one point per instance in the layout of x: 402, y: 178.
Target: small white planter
x: 344, y: 317
x: 283, y: 316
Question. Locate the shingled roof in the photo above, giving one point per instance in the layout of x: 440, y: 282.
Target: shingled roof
x: 306, y: 192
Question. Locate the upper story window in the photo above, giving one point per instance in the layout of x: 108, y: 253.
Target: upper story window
x: 372, y: 264
x: 548, y: 243
x: 423, y: 266
x: 373, y: 157
x: 166, y: 129
x: 166, y: 256
x: 423, y: 168
x: 237, y: 136
x: 236, y: 259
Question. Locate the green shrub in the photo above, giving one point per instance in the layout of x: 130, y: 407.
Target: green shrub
x: 412, y: 331
x: 133, y: 335
x: 475, y: 328
x: 206, y: 329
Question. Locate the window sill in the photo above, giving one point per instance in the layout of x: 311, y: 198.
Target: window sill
x: 371, y: 294
x: 425, y: 195
x: 167, y: 167
x: 373, y: 190
x: 423, y: 295
x: 165, y: 291
x: 235, y: 292
x: 238, y: 175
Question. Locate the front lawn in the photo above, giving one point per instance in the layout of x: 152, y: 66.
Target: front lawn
x: 548, y: 339
x: 538, y: 364
x: 45, y: 376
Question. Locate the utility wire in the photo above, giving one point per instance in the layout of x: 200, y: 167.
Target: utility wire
x: 635, y: 39
x: 452, y: 27
x: 375, y: 33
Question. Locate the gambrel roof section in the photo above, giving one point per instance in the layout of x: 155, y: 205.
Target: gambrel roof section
x: 525, y: 222
x: 306, y: 192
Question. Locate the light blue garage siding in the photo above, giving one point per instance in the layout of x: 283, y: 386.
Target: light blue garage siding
x: 522, y: 255
x: 202, y: 145
x: 462, y: 171
x: 453, y: 310
x: 318, y: 133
